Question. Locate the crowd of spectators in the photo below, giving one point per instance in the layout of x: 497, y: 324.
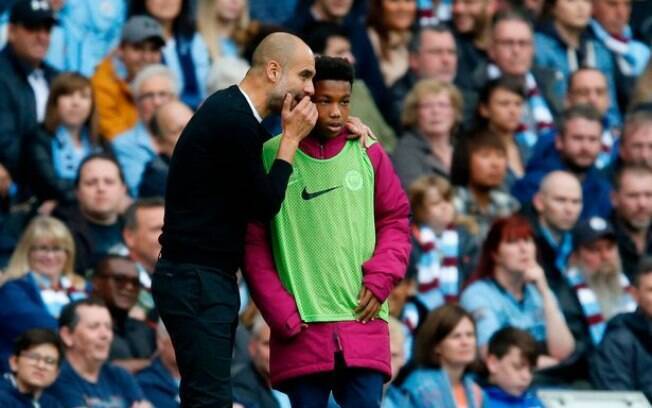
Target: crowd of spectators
x: 520, y: 130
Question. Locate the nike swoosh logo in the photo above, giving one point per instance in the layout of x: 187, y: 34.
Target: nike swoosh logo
x: 309, y: 196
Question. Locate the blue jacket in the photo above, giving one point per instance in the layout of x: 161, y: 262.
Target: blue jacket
x: 497, y: 398
x: 134, y: 149
x: 22, y: 309
x: 623, y: 359
x: 596, y: 190
x: 201, y: 65
x: 91, y: 29
x: 158, y: 385
x: 11, y: 397
x: 552, y: 52
x: 431, y: 388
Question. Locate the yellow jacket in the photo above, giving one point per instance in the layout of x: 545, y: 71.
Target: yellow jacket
x: 115, y: 105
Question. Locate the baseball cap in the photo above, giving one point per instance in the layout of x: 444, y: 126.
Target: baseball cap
x: 588, y: 231
x: 32, y: 13
x: 140, y: 28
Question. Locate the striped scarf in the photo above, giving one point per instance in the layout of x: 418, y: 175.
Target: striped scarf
x: 590, y: 305
x: 607, y: 154
x: 625, y: 57
x: 537, y: 118
x: 428, y: 14
x: 437, y: 272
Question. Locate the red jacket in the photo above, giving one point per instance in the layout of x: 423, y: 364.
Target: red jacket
x: 299, y: 351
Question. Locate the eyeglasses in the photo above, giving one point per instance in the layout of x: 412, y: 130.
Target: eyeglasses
x: 149, y: 96
x: 45, y: 249
x: 122, y: 280
x: 36, y: 358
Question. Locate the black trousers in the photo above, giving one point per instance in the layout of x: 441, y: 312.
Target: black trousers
x: 199, y: 307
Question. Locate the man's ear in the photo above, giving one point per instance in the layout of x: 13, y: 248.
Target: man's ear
x: 559, y: 143
x: 66, y: 336
x: 537, y: 201
x: 13, y: 363
x: 273, y: 71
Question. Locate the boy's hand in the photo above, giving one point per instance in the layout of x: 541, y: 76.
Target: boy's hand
x: 368, y: 305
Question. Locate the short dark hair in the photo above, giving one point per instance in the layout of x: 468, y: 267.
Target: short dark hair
x: 639, y: 169
x: 584, y: 111
x: 415, y: 41
x: 98, y: 156
x: 504, y: 339
x: 36, y: 337
x: 103, y: 263
x: 333, y: 69
x: 70, y: 318
x: 131, y: 219
x: 510, y: 83
x: 439, y: 323
x: 643, y: 268
x: 319, y: 34
x: 465, y: 147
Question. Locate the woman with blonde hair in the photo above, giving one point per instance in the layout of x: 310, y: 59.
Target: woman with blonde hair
x: 38, y: 282
x: 431, y: 115
x: 223, y: 26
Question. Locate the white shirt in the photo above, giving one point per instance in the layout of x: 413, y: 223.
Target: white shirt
x: 41, y: 92
x: 251, y: 105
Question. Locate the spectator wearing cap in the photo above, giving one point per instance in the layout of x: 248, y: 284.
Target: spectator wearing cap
x: 599, y: 287
x: 623, y: 359
x: 89, y: 30
x: 34, y: 362
x: 632, y: 217
x: 153, y: 87
x: 117, y: 283
x: 140, y: 45
x: 575, y: 149
x: 24, y: 79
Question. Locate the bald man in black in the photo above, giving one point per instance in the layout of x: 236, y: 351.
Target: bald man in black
x: 216, y: 184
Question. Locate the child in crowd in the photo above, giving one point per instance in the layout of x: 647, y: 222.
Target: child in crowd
x: 478, y: 173
x: 511, y: 360
x: 322, y: 271
x: 443, y: 250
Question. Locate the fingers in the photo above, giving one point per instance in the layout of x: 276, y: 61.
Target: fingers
x: 364, y: 299
x: 370, y: 311
x: 287, y: 104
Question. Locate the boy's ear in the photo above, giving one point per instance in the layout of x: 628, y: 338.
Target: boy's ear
x: 492, y: 363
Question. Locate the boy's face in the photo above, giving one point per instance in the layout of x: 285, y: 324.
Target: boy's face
x: 332, y: 101
x: 512, y: 373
